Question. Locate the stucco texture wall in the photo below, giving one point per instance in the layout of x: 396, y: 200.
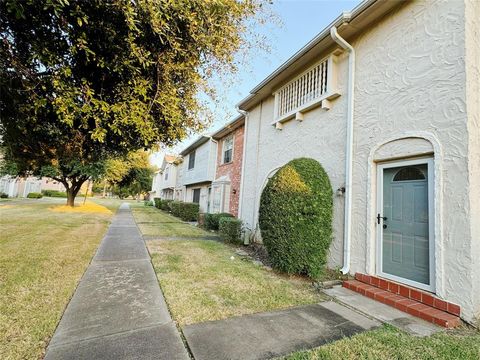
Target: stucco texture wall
x: 472, y: 65
x: 410, y: 83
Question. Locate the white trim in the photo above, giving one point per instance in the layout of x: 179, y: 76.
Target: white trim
x: 232, y: 135
x: 431, y: 221
x: 331, y: 92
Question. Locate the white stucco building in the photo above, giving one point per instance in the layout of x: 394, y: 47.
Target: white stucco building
x: 387, y: 99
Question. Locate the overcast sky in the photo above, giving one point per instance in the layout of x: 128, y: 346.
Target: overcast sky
x: 299, y: 21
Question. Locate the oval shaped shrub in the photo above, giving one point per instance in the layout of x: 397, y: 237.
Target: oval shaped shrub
x: 296, y: 209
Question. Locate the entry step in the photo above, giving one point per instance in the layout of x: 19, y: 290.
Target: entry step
x: 396, y: 297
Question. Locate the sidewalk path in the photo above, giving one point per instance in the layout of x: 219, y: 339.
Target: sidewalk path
x: 276, y: 333
x: 118, y: 310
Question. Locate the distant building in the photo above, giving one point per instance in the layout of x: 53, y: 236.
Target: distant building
x: 15, y: 186
x: 199, y: 171
x: 165, y: 179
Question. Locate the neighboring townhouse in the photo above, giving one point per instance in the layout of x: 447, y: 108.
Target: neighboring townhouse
x: 156, y: 183
x: 387, y: 99
x: 179, y: 187
x: 225, y: 193
x: 199, y: 171
x: 166, y: 178
x: 21, y: 187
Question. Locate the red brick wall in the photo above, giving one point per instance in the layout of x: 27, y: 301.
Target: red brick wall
x: 232, y: 169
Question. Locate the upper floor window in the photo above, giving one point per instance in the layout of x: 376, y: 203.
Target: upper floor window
x: 166, y: 173
x: 228, y: 149
x: 191, y: 160
x: 314, y: 86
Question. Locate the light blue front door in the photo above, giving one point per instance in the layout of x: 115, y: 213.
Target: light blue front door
x: 405, y: 223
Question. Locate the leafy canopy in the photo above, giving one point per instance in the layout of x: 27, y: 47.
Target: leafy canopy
x: 82, y: 82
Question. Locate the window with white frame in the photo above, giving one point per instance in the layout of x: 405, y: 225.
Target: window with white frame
x: 191, y: 160
x: 307, y: 90
x: 228, y: 150
x: 166, y: 173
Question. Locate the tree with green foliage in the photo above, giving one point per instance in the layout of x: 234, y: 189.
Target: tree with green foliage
x: 127, y: 176
x: 137, y: 179
x: 296, y: 210
x: 82, y: 82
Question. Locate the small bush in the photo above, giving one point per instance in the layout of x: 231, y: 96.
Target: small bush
x: 54, y: 193
x: 165, y: 205
x: 34, y: 195
x: 3, y: 195
x: 295, y: 216
x: 230, y: 229
x: 185, y: 211
x: 212, y: 220
x: 148, y: 203
x: 157, y: 202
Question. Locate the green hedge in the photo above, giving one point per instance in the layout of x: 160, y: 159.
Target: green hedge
x: 3, y: 195
x: 230, y: 230
x: 54, y: 193
x: 212, y: 220
x: 162, y: 204
x: 34, y: 195
x: 296, y: 209
x: 185, y: 211
x: 165, y: 205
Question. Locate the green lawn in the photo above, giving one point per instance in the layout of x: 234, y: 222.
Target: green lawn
x: 389, y: 343
x: 202, y: 282
x: 154, y: 222
x: 43, y: 254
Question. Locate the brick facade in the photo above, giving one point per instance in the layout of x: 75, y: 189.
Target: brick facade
x: 233, y: 169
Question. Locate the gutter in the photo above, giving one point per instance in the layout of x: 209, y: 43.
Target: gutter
x: 349, y: 145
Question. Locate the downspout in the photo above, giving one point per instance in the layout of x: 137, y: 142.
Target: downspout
x: 214, y: 178
x: 349, y: 146
x: 242, y: 171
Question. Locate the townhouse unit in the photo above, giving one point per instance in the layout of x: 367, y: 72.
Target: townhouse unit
x: 165, y: 179
x: 225, y: 193
x: 199, y: 171
x: 20, y: 187
x: 386, y: 99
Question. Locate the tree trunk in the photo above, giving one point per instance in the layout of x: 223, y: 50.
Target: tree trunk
x: 72, y: 191
x: 70, y: 197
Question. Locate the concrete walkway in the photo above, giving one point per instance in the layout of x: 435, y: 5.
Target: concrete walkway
x: 118, y: 310
x: 276, y: 333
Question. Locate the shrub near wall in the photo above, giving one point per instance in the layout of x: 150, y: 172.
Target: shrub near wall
x: 165, y: 205
x: 212, y: 220
x: 230, y: 229
x: 34, y: 195
x: 157, y: 202
x: 296, y: 209
x: 54, y: 193
x: 185, y: 211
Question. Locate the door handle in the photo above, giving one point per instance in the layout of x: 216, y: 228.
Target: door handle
x: 381, y: 218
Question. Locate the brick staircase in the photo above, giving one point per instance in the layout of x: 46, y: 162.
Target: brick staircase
x: 412, y: 301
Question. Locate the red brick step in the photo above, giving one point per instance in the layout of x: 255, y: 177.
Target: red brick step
x: 410, y: 293
x: 405, y: 304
